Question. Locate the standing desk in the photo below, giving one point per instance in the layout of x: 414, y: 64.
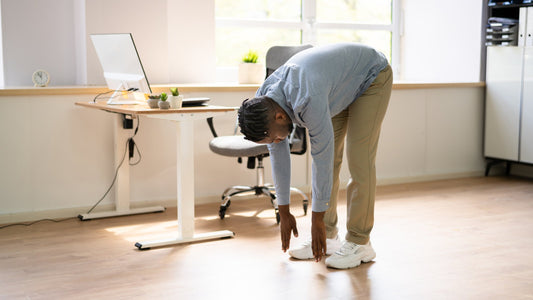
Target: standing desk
x: 183, y: 118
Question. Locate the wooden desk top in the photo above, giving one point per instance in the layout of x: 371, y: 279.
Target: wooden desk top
x: 143, y: 109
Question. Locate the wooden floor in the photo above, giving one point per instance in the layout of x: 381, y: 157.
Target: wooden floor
x: 453, y: 239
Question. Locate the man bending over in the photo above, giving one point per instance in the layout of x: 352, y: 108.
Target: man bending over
x: 340, y: 93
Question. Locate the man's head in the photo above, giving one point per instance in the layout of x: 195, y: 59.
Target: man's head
x: 262, y: 120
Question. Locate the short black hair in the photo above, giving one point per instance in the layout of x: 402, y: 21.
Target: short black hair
x: 254, y: 117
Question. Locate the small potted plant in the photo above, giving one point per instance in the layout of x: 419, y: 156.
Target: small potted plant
x: 250, y: 71
x: 152, y: 101
x: 163, y: 103
x: 175, y: 99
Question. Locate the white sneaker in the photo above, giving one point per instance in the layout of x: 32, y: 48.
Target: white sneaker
x: 304, y: 251
x: 350, y: 255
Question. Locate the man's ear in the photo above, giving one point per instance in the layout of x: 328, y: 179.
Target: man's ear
x: 279, y: 116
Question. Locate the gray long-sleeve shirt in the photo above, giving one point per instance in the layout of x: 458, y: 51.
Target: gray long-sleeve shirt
x: 312, y: 87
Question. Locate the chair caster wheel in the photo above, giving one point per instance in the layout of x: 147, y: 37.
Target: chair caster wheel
x: 222, y: 210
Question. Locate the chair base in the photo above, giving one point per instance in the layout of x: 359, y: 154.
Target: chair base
x: 266, y: 190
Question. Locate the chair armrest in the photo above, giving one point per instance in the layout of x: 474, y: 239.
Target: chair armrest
x: 212, y: 126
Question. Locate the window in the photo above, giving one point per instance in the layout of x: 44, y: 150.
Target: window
x: 242, y: 25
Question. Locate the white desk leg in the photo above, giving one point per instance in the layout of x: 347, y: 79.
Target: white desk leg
x: 185, y: 177
x: 122, y: 185
x: 185, y: 193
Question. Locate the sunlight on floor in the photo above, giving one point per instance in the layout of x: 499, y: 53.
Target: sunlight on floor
x: 210, y: 218
x: 263, y: 214
x: 135, y: 233
x: 169, y: 229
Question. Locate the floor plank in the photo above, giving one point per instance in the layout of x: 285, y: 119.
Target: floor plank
x: 451, y: 239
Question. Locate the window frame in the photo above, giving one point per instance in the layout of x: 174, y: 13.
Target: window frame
x: 309, y: 27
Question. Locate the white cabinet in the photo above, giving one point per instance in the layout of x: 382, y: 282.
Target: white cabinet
x: 509, y: 97
x: 526, y: 132
x: 502, y: 102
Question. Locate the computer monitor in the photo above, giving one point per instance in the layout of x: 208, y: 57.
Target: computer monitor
x: 123, y: 70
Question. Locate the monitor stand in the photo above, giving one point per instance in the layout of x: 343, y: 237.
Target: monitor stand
x: 123, y: 96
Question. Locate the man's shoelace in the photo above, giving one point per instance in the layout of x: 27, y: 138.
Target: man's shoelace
x: 347, y: 247
x: 309, y: 242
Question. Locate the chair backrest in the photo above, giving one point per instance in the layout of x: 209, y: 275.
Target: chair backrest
x: 298, y: 140
x: 276, y: 56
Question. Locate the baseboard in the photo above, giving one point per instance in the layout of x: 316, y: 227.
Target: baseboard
x: 432, y: 177
x: 73, y: 212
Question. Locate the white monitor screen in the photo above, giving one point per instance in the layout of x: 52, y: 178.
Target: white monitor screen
x: 120, y: 61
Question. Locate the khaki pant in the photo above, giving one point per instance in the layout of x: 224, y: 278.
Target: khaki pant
x: 359, y: 126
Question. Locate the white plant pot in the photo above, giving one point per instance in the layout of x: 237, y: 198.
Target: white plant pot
x: 250, y: 73
x: 175, y: 101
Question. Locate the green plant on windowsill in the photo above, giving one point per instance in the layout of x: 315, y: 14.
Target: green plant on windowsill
x: 250, y: 57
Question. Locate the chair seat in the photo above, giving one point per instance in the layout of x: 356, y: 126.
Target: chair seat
x: 236, y: 146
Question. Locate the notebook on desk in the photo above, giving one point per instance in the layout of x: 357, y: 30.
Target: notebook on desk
x: 195, y: 101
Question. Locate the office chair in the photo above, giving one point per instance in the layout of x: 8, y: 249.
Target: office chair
x: 236, y: 146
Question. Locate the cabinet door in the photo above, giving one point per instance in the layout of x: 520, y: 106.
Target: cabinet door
x: 502, y: 106
x: 526, y: 132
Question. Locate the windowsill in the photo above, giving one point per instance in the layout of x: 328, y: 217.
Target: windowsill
x: 189, y: 88
x: 433, y: 85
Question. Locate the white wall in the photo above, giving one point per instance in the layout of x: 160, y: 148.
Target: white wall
x: 56, y: 155
x: 80, y: 43
x: 162, y: 30
x: 441, y: 40
x: 429, y: 133
x: 53, y: 35
x: 191, y: 40
x: 1, y: 52
x: 38, y: 35
x: 146, y: 20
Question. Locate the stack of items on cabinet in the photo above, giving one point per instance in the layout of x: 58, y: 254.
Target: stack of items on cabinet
x: 508, y: 2
x: 502, y: 32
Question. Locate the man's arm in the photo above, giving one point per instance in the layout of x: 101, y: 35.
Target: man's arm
x: 281, y: 173
x: 280, y: 158
x: 317, y: 120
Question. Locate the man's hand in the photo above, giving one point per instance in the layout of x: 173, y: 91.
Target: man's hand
x: 318, y: 235
x: 287, y: 224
